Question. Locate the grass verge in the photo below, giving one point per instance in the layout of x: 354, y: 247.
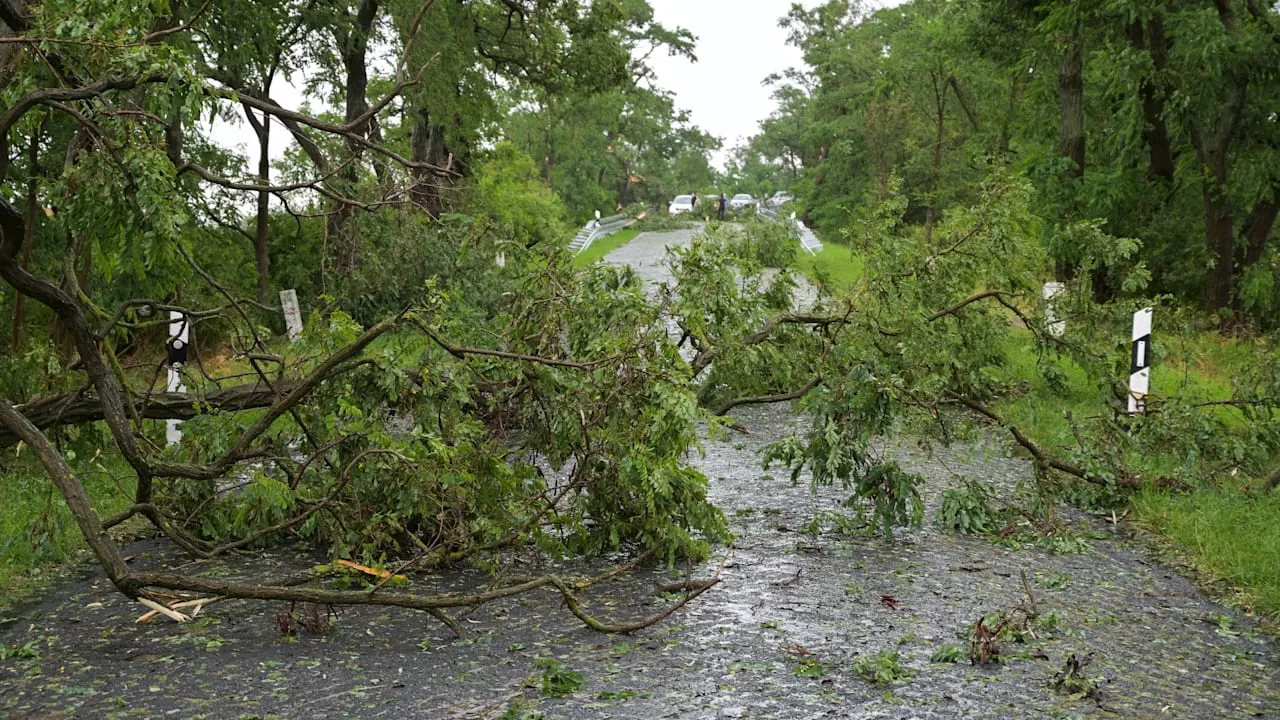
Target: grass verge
x: 36, y: 529
x: 836, y: 265
x: 604, y: 246
x: 1232, y: 535
x: 1228, y: 532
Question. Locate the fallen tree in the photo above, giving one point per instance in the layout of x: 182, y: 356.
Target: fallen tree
x: 467, y: 352
x: 74, y: 408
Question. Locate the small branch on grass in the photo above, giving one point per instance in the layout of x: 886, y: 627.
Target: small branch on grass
x: 156, y: 607
x: 695, y: 588
x: 1041, y: 457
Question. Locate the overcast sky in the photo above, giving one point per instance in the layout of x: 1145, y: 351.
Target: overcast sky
x: 739, y: 45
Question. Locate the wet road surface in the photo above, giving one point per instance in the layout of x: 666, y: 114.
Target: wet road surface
x: 786, y: 634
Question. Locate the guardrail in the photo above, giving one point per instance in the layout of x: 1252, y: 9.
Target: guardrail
x: 808, y: 240
x: 597, y: 229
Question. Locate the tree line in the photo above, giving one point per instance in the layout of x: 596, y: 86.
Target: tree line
x: 1156, y: 117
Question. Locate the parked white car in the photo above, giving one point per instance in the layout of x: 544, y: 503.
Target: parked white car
x: 741, y: 202
x: 682, y: 204
x: 780, y: 199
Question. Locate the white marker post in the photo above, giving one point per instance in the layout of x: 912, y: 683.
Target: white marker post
x: 176, y: 346
x: 1052, y: 290
x: 1140, y: 367
x: 292, y: 313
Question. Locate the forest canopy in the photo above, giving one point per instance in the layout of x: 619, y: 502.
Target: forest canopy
x: 1157, y: 119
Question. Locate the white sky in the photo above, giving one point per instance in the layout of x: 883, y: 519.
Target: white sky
x: 739, y: 45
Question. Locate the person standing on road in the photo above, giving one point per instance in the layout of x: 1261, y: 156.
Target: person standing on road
x: 720, y: 206
x: 693, y: 206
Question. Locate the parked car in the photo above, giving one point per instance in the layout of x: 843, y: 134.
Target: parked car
x: 682, y: 204
x: 741, y: 202
x: 780, y: 199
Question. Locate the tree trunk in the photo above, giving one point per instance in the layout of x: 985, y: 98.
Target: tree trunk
x: 28, y: 235
x: 260, y: 237
x: 965, y: 104
x: 549, y: 114
x: 940, y: 121
x: 1071, y: 100
x: 1219, y: 230
x: 428, y: 146
x: 1015, y: 94
x: 1072, y: 145
x: 1155, y: 132
x: 1257, y: 228
x: 353, y: 45
x: 1162, y: 159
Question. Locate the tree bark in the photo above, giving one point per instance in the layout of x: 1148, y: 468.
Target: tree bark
x: 76, y: 408
x: 262, y: 257
x: 940, y: 122
x: 1155, y: 132
x: 1071, y: 101
x: 1219, y: 230
x: 1257, y: 228
x: 965, y: 104
x: 428, y: 146
x: 28, y: 235
x: 1219, y: 216
x: 353, y: 44
x: 1072, y: 139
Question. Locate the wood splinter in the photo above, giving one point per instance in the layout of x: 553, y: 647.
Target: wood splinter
x: 161, y: 609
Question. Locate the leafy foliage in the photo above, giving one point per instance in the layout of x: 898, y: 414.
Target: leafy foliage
x: 968, y: 509
x: 884, y: 669
x: 1154, y: 122
x: 556, y: 681
x: 947, y: 654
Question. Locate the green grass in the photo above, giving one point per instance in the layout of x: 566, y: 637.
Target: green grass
x: 1231, y: 534
x: 1225, y: 531
x: 604, y: 246
x: 835, y: 264
x: 36, y: 529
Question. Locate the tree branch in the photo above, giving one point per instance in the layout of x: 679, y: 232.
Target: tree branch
x: 705, y: 358
x: 75, y: 408
x: 769, y: 399
x: 968, y: 301
x: 1041, y: 457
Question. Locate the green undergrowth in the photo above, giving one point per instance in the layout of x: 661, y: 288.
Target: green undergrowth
x: 604, y: 246
x: 1223, y: 525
